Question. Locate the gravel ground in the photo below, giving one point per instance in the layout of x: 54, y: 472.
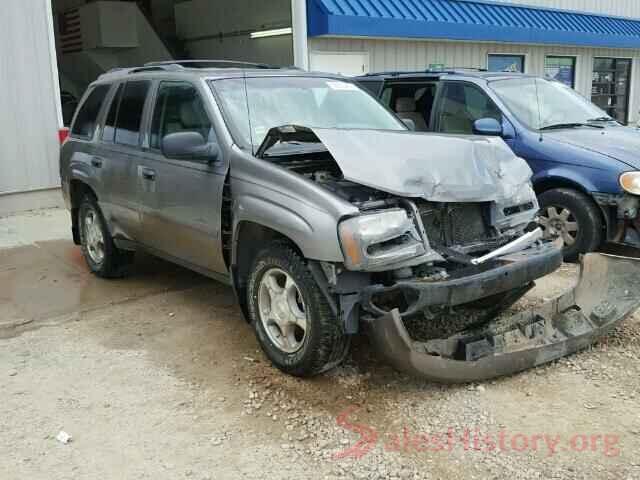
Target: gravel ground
x: 158, y: 376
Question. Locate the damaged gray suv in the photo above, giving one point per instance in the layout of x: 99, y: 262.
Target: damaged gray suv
x: 327, y: 215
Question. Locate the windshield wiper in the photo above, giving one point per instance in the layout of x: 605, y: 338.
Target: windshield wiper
x: 571, y: 125
x: 601, y: 119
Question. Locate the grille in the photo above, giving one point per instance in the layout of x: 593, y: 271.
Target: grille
x: 449, y: 224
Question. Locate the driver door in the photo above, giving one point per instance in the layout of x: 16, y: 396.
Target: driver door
x: 181, y: 199
x: 460, y: 105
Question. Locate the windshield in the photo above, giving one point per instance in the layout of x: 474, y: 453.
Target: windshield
x: 559, y: 104
x: 304, y: 101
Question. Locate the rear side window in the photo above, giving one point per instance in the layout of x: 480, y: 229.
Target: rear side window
x: 129, y: 117
x: 373, y: 87
x: 109, y: 131
x: 87, y: 117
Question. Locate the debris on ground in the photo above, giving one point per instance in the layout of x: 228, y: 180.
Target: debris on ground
x: 63, y: 437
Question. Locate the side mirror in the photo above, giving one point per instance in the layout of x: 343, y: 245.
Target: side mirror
x: 489, y: 127
x: 189, y: 146
x: 411, y: 125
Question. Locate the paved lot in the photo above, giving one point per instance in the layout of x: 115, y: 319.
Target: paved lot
x: 158, y: 376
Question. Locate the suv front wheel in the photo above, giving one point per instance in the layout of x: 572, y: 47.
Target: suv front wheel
x: 293, y: 321
x: 102, y: 256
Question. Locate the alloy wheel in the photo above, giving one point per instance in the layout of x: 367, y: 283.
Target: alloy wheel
x: 93, y: 237
x: 282, y: 310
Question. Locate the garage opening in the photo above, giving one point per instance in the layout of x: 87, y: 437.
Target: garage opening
x: 95, y: 36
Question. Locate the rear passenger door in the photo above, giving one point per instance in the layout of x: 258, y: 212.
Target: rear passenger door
x: 181, y: 199
x: 120, y: 151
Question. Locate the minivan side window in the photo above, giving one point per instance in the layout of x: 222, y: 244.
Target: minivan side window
x: 87, y: 117
x: 461, y: 105
x: 130, y: 113
x: 179, y: 108
x: 109, y: 130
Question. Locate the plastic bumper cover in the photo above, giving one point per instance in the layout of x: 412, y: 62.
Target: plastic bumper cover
x: 608, y: 292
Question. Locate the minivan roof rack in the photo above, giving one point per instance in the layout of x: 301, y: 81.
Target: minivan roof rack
x: 210, y: 64
x: 444, y: 70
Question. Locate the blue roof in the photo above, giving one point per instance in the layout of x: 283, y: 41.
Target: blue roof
x: 478, y: 20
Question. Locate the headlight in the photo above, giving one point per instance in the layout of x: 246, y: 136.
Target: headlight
x: 375, y: 241
x: 630, y: 182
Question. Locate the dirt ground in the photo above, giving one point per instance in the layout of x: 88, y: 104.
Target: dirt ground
x: 158, y: 376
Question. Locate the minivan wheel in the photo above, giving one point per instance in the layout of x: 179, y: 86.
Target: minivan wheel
x: 573, y: 217
x: 293, y: 321
x: 102, y: 256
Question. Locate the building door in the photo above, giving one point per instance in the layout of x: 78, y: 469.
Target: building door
x: 611, y: 86
x: 350, y: 64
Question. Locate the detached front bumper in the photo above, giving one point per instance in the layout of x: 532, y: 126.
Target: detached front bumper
x: 502, y: 275
x: 607, y: 293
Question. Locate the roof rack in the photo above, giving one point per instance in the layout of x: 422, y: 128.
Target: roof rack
x: 445, y: 70
x: 210, y: 64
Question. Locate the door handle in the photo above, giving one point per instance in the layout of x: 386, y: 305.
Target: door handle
x: 96, y: 162
x: 148, y: 174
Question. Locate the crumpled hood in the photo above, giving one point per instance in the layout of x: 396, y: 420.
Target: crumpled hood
x: 619, y: 143
x: 438, y: 168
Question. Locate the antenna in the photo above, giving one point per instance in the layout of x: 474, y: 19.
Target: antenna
x: 246, y: 96
x: 535, y: 82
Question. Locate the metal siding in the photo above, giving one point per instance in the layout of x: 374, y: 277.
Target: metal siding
x: 29, y: 98
x: 621, y: 8
x: 389, y: 55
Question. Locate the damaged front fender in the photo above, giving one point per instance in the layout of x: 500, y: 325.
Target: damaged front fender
x: 607, y: 293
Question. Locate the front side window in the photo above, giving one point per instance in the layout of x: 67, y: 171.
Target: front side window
x: 87, y: 117
x: 179, y: 108
x: 461, y: 105
x: 130, y: 113
x: 269, y: 102
x: 544, y: 104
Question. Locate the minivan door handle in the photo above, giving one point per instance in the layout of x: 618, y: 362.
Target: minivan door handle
x: 148, y: 174
x: 96, y: 162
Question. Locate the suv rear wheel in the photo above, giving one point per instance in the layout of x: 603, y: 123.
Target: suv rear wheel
x: 102, y: 256
x: 294, y: 324
x: 572, y: 216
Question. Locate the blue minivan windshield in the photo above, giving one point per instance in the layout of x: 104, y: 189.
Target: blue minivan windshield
x: 269, y: 102
x: 543, y: 104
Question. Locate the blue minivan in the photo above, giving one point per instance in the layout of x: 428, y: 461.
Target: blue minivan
x: 586, y: 165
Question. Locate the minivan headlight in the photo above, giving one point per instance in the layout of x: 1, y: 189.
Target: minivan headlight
x: 373, y: 242
x: 630, y: 182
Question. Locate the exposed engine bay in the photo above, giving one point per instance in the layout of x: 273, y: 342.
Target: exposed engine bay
x: 454, y: 233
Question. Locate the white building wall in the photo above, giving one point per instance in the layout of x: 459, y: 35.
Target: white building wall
x: 621, y: 8
x: 29, y: 98
x: 398, y: 55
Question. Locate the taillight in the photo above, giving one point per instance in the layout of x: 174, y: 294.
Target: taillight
x: 63, y: 134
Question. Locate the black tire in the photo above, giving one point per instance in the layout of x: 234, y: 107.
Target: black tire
x: 585, y: 213
x: 325, y: 345
x: 115, y: 262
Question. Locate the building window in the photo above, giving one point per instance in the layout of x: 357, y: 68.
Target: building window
x: 505, y: 63
x: 611, y: 86
x: 562, y: 69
